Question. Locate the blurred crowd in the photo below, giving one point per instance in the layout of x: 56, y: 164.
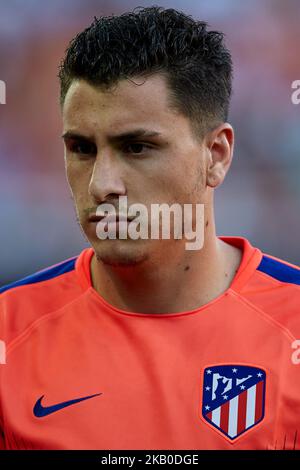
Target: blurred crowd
x: 260, y: 198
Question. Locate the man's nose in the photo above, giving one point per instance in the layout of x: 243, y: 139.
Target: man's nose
x: 107, y: 177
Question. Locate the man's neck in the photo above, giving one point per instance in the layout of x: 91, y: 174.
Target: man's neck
x: 180, y: 283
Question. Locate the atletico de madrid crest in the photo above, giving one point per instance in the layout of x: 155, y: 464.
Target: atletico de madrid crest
x: 233, y: 398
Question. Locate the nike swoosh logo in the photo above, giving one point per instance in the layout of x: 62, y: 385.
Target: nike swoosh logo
x: 40, y: 411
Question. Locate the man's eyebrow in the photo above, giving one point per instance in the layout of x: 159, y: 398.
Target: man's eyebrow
x: 114, y: 138
x: 74, y: 135
x: 133, y: 135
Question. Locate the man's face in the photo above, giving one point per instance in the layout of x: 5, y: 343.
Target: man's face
x: 167, y: 167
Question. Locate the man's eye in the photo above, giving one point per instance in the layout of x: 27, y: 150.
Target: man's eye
x: 83, y: 148
x: 135, y: 148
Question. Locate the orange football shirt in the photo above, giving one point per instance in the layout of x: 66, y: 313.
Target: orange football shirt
x: 82, y: 374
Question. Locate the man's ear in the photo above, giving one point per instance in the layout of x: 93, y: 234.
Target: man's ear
x: 219, y: 144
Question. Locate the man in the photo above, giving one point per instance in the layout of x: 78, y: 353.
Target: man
x: 142, y: 343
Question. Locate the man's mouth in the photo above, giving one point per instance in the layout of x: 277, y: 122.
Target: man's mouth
x: 110, y: 218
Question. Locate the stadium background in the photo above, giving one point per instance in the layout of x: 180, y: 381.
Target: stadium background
x: 260, y: 198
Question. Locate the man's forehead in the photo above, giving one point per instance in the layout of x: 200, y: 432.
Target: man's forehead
x: 126, y: 105
x: 136, y: 92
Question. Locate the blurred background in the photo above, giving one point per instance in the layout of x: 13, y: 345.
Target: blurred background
x: 260, y: 198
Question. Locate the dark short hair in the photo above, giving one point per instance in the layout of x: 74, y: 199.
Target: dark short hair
x: 195, y: 61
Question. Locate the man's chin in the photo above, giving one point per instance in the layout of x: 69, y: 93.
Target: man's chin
x: 119, y: 255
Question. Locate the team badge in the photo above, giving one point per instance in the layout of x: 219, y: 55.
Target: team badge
x: 233, y: 398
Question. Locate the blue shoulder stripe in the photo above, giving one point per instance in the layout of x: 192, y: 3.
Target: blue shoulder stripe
x: 279, y: 270
x: 43, y: 275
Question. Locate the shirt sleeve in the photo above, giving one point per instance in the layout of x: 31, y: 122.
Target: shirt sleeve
x: 2, y: 441
x: 2, y: 364
x: 2, y: 437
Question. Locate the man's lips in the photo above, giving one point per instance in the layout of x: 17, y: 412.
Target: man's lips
x: 110, y: 218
